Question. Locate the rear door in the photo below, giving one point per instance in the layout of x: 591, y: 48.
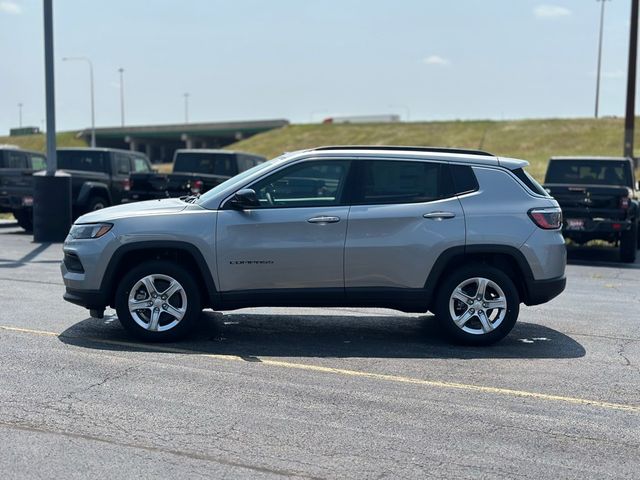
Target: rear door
x: 295, y: 239
x: 404, y: 215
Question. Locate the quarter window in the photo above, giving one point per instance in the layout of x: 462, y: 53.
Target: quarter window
x: 309, y: 184
x: 385, y: 182
x: 38, y: 162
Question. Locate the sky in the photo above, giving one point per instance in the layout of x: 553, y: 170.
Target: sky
x: 304, y: 60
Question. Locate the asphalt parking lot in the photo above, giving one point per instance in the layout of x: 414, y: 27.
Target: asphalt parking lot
x: 319, y: 393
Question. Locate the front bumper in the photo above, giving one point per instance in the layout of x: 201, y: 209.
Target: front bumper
x: 541, y: 291
x: 90, y: 299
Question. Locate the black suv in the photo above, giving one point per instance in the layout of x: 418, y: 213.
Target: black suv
x: 100, y: 176
x: 599, y: 197
x: 16, y: 183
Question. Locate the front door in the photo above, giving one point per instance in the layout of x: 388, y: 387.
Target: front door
x: 294, y: 239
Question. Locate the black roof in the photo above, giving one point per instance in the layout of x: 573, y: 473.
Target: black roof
x: 463, y: 151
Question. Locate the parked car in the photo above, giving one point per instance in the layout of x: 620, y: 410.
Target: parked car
x: 194, y: 171
x: 461, y: 233
x: 100, y: 176
x: 599, y: 198
x: 16, y: 183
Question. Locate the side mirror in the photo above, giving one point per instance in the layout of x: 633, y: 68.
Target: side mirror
x: 245, y: 198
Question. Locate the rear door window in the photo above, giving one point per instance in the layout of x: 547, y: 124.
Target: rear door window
x: 123, y: 164
x: 14, y: 159
x: 384, y: 182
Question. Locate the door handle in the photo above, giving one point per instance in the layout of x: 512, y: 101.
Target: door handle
x: 324, y: 220
x: 439, y: 215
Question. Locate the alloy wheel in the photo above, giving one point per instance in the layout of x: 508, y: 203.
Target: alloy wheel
x: 478, y: 305
x: 157, y: 302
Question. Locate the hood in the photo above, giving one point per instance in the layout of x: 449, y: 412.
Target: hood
x: 163, y: 206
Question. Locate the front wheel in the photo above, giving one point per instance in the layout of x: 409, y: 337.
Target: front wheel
x: 158, y: 301
x: 477, y: 305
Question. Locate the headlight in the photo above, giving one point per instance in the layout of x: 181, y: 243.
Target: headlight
x: 94, y: 230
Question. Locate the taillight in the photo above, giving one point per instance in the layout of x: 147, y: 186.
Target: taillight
x: 546, y: 218
x: 126, y: 185
x: 196, y: 186
x: 624, y: 203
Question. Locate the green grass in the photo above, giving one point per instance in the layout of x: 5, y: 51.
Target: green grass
x: 532, y: 140
x: 38, y: 142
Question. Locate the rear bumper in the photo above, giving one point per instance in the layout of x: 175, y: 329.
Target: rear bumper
x: 9, y: 203
x: 541, y: 291
x: 90, y: 299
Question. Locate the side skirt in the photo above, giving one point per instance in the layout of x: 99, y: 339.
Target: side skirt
x: 406, y: 300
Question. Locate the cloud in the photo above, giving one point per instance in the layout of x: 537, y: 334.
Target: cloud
x: 551, y: 11
x: 436, y: 60
x: 12, y: 8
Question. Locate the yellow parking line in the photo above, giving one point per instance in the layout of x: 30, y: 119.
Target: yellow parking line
x: 358, y: 373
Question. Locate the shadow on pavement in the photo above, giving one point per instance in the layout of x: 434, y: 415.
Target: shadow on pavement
x: 251, y: 336
x: 598, y: 256
x: 28, y: 257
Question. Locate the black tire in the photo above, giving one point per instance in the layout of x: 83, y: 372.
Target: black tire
x: 629, y: 244
x: 485, y: 337
x: 97, y: 202
x: 24, y: 219
x: 158, y: 268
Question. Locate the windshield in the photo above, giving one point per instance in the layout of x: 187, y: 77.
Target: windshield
x: 234, y: 180
x: 87, y: 160
x: 589, y: 172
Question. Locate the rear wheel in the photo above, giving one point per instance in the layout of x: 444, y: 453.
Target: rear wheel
x: 158, y: 301
x: 477, y: 305
x: 25, y: 219
x: 629, y: 244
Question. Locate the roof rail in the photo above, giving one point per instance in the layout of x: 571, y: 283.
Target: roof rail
x: 463, y: 151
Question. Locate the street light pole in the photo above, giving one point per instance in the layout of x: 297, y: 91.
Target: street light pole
x: 629, y: 123
x: 93, y: 113
x: 599, y: 68
x: 186, y: 107
x: 51, y: 189
x: 20, y: 114
x: 121, y: 71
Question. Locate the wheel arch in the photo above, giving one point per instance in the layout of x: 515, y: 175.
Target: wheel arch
x: 90, y: 189
x: 508, y: 259
x: 183, y: 253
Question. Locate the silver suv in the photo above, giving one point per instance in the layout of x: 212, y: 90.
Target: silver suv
x: 464, y: 234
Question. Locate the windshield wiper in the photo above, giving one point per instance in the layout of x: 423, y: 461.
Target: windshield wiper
x: 190, y: 198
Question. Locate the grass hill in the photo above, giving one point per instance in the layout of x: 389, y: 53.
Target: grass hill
x: 532, y: 140
x: 38, y: 142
